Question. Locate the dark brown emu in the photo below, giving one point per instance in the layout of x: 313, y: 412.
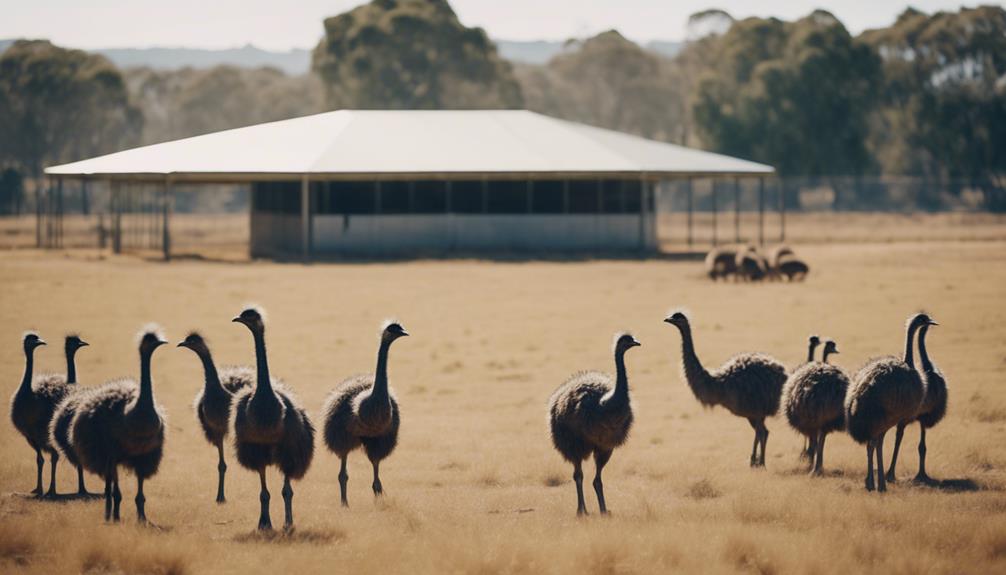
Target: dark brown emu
x: 119, y: 424
x: 31, y: 409
x: 813, y: 400
x: 270, y: 428
x: 59, y: 427
x: 591, y: 414
x: 884, y: 393
x: 213, y: 401
x: 934, y: 407
x: 749, y: 385
x: 362, y: 411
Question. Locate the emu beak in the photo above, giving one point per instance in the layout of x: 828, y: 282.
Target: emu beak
x: 42, y: 342
x: 636, y: 343
x: 405, y: 333
x: 931, y: 322
x: 237, y: 319
x: 667, y: 319
x: 181, y: 344
x: 83, y: 343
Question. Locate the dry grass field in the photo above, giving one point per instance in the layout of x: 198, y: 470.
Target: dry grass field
x: 475, y: 486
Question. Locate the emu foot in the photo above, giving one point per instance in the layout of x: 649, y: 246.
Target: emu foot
x: 923, y: 479
x: 869, y: 484
x: 891, y: 478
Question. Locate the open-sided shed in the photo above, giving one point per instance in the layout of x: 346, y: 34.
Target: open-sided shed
x: 375, y: 183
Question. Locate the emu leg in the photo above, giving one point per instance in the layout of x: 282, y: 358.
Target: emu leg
x: 378, y: 488
x: 264, y: 522
x: 343, y: 481
x: 754, y: 446
x: 600, y: 460
x: 894, y: 456
x: 881, y: 484
x: 39, y: 462
x: 819, y: 454
x: 108, y: 497
x: 581, y: 507
x: 81, y: 488
x: 869, y: 464
x: 141, y: 500
x: 53, y: 460
x: 222, y: 469
x: 116, y: 495
x: 764, y: 443
x: 287, y: 503
x: 922, y: 476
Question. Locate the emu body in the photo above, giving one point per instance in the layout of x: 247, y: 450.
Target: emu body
x: 748, y: 385
x: 213, y: 402
x: 931, y: 412
x: 813, y: 401
x: 120, y: 425
x: 59, y: 425
x: 591, y: 414
x: 363, y: 411
x: 884, y: 393
x: 270, y: 428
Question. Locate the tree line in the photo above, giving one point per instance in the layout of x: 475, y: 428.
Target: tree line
x: 923, y: 97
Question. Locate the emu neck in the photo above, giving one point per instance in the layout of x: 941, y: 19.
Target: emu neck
x: 146, y: 399
x: 381, y: 373
x: 927, y: 365
x: 810, y: 353
x: 620, y: 395
x: 263, y: 384
x: 696, y: 375
x: 29, y: 366
x: 909, y: 357
x: 71, y: 366
x: 824, y: 356
x: 210, y: 372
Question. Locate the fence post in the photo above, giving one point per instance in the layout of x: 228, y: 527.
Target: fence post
x: 761, y: 211
x: 690, y: 209
x: 714, y: 213
x: 167, y: 201
x: 116, y: 217
x: 737, y: 210
x: 305, y: 217
x: 782, y: 210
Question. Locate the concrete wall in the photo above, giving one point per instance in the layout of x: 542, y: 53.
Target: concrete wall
x: 391, y: 235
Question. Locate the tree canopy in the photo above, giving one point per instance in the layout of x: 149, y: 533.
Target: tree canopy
x: 411, y: 54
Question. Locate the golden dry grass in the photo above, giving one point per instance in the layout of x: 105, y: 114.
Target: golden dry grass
x: 475, y: 486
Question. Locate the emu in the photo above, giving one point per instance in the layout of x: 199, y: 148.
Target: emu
x: 213, y: 401
x: 885, y: 392
x: 720, y: 263
x: 749, y: 385
x: 119, y: 424
x: 59, y: 427
x: 813, y: 400
x: 31, y: 409
x: 812, y: 343
x: 934, y: 407
x: 590, y: 413
x: 750, y: 265
x: 270, y: 428
x: 362, y: 410
x: 793, y: 269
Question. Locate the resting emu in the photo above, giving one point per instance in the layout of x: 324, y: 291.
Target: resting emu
x: 793, y: 269
x: 213, y: 402
x: 119, y: 424
x: 748, y: 385
x: 269, y: 427
x: 934, y: 407
x: 720, y: 263
x: 813, y: 400
x: 591, y: 414
x: 362, y: 411
x: 31, y: 409
x: 59, y: 427
x: 884, y: 393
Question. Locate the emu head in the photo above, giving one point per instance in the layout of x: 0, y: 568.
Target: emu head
x: 830, y: 347
x: 624, y: 341
x: 151, y: 338
x: 814, y: 341
x: 253, y: 318
x: 678, y: 319
x: 195, y: 342
x: 919, y: 320
x: 31, y: 341
x: 392, y: 330
x: 73, y: 343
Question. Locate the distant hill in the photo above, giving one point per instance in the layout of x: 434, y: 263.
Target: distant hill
x: 296, y: 62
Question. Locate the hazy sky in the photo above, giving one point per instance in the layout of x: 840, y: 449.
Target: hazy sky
x: 288, y: 24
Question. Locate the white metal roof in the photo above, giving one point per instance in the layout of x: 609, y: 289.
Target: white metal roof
x: 410, y: 143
